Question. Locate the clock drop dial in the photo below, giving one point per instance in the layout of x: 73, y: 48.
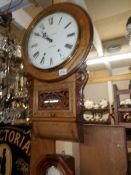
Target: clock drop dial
x: 53, y: 40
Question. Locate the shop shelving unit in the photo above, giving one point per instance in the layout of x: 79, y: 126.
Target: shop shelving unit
x: 100, y: 112
x: 120, y: 110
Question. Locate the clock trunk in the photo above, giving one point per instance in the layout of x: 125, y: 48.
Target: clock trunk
x: 57, y: 108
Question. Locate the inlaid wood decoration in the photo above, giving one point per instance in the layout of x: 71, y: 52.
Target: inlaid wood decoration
x: 49, y: 100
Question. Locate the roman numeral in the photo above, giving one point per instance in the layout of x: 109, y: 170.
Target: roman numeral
x: 60, y: 19
x: 34, y: 45
x: 36, y: 34
x: 69, y: 46
x: 51, y: 61
x: 71, y: 34
x: 42, y: 26
x: 67, y: 25
x: 50, y: 19
x: 42, y: 60
x: 36, y: 54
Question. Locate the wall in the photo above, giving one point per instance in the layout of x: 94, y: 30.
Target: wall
x: 96, y: 91
x: 122, y: 85
x: 70, y: 148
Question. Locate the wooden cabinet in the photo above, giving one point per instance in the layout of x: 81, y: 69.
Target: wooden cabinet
x: 104, y: 151
x: 121, y: 110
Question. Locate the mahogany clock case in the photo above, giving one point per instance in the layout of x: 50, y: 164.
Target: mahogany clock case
x: 60, y: 119
x: 82, y: 49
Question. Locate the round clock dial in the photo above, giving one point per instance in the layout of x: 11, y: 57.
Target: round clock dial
x: 52, y: 40
x: 57, y: 42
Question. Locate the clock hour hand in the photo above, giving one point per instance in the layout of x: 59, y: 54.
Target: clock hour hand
x: 44, y: 35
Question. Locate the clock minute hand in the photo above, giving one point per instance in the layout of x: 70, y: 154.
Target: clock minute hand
x: 49, y: 39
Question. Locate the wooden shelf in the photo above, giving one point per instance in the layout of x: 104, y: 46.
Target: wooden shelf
x: 119, y: 110
x: 99, y: 110
x: 98, y: 123
x: 125, y: 124
x: 99, y: 119
x: 123, y: 91
x: 124, y: 109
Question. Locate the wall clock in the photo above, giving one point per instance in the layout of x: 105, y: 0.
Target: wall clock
x: 54, y: 48
x: 57, y: 42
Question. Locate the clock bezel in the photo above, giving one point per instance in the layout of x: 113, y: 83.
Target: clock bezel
x: 68, y: 58
x: 80, y: 52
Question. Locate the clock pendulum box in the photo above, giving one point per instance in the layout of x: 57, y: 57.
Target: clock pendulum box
x: 55, y: 47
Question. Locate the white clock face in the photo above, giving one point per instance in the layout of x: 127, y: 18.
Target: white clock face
x: 53, y: 171
x: 52, y: 40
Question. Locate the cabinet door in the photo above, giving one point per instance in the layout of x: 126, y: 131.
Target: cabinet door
x: 104, y: 151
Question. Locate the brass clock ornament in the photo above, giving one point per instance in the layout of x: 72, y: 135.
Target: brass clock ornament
x: 57, y: 42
